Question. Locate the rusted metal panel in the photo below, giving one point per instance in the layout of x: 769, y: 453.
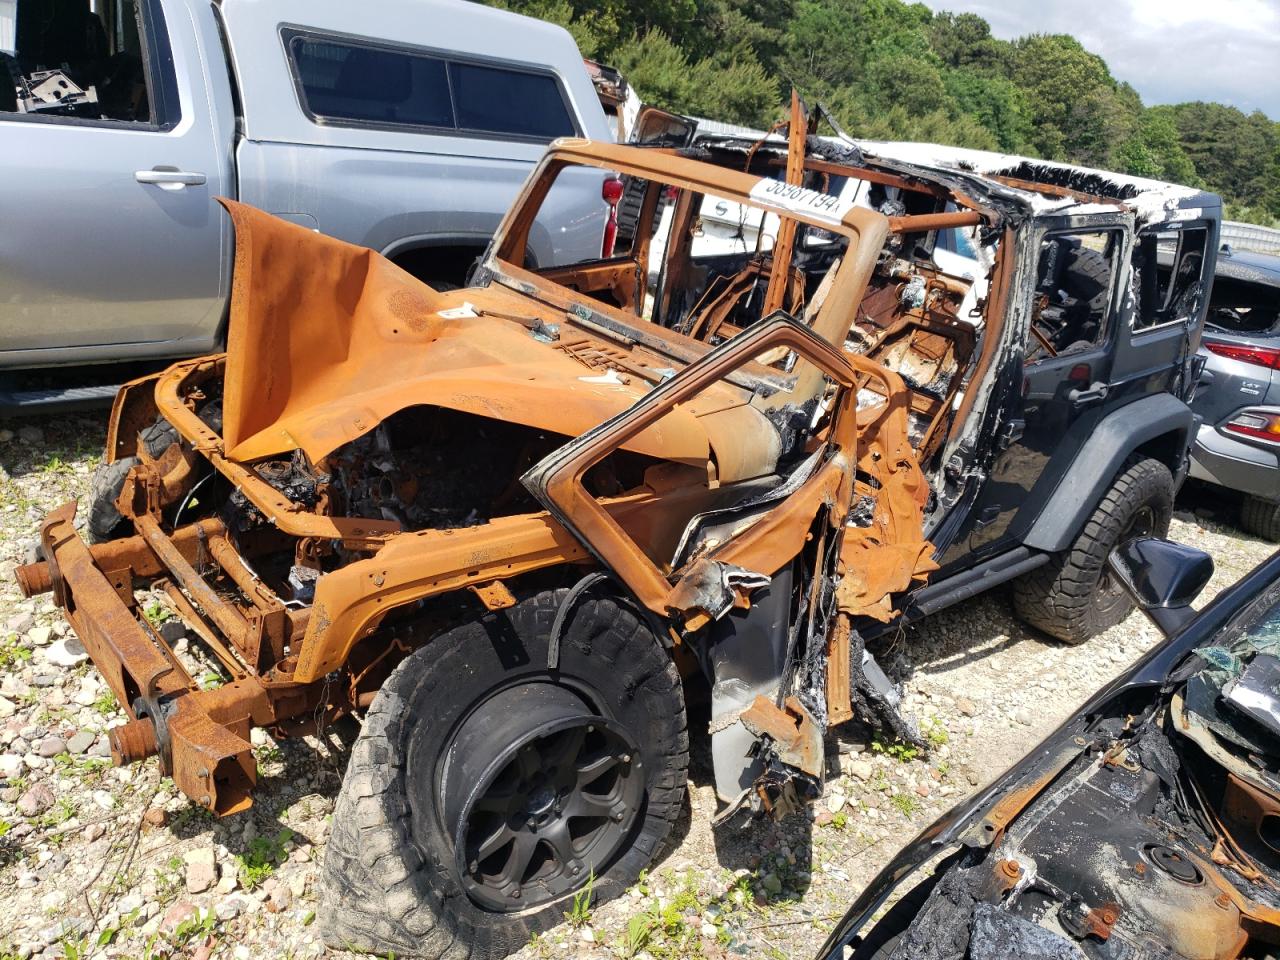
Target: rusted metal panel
x: 782, y: 248
x: 122, y: 647
x: 797, y: 739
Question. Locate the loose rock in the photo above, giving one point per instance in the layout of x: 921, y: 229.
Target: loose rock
x: 202, y: 869
x: 81, y: 742
x: 35, y: 801
x: 66, y: 652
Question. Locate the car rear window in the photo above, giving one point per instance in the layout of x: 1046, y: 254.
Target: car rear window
x: 362, y: 83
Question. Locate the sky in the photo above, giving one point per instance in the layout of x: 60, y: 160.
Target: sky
x: 1170, y: 51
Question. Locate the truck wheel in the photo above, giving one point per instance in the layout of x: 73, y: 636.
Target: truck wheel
x: 485, y: 788
x: 103, y: 520
x: 1073, y: 597
x: 1261, y: 518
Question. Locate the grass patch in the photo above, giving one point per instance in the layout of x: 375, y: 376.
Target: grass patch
x: 902, y: 752
x: 579, y: 913
x: 934, y: 732
x: 13, y: 653
x: 261, y: 859
x: 906, y: 804
x: 106, y: 704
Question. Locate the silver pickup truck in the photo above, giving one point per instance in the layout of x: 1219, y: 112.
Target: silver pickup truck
x: 406, y: 126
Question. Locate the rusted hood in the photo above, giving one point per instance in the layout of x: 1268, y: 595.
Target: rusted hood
x: 326, y: 339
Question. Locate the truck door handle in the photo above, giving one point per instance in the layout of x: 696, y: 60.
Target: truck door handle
x: 170, y: 179
x: 1094, y: 393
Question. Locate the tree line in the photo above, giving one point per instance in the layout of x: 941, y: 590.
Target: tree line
x: 890, y: 70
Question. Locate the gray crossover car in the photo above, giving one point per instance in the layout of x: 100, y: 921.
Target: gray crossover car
x: 1238, y: 444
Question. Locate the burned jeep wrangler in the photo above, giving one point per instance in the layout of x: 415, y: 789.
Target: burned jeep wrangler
x: 506, y: 525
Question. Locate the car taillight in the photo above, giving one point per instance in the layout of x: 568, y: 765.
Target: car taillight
x: 1261, y: 356
x: 1259, y: 424
x: 610, y: 193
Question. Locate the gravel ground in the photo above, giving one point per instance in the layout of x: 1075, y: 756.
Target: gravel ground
x: 105, y: 862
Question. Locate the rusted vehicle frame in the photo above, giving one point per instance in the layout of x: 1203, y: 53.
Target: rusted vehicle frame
x: 282, y: 657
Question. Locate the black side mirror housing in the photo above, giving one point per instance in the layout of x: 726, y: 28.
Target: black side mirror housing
x: 1163, y: 578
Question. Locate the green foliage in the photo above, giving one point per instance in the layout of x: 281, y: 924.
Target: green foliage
x: 935, y: 732
x: 579, y: 914
x: 906, y: 804
x: 106, y: 704
x: 169, y: 879
x: 261, y: 859
x: 1155, y: 150
x: 637, y: 934
x: 902, y: 752
x: 156, y: 613
x: 996, y: 103
x: 13, y: 653
x: 736, y: 88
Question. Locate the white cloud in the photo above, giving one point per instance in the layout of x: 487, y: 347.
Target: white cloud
x: 1169, y: 50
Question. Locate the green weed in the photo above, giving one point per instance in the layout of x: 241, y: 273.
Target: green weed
x: 579, y: 914
x: 261, y: 859
x: 906, y: 804
x: 902, y: 752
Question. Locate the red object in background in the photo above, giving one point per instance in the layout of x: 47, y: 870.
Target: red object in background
x: 1259, y: 424
x: 610, y: 193
x: 1260, y: 356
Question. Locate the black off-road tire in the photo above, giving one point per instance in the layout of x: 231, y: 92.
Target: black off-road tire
x: 391, y: 882
x: 1261, y: 518
x: 1087, y: 275
x: 1073, y: 597
x: 102, y: 520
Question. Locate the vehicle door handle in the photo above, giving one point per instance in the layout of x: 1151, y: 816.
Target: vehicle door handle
x: 1011, y: 432
x: 169, y: 179
x: 1094, y: 393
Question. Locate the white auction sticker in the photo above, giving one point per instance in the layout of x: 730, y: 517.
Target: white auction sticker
x: 802, y: 200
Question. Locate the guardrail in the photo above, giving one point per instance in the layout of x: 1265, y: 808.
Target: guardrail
x: 1248, y: 236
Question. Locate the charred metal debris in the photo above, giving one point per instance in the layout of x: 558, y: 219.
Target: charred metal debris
x: 751, y: 448
x: 1145, y: 829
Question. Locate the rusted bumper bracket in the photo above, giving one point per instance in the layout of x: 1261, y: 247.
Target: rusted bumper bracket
x: 199, y: 735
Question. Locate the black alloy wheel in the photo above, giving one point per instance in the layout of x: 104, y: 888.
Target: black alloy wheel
x: 543, y: 792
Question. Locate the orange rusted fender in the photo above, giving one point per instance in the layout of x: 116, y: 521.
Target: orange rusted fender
x: 327, y: 339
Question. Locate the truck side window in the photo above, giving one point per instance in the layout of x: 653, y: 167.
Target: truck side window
x: 70, y: 62
x: 360, y: 82
x: 348, y: 82
x: 1074, y: 280
x: 1168, y: 270
x: 496, y: 100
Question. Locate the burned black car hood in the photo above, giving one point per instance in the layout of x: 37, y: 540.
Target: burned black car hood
x: 1088, y: 846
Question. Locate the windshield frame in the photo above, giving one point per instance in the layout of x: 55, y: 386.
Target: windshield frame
x: 863, y: 229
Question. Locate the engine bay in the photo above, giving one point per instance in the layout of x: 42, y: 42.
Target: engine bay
x: 1161, y: 839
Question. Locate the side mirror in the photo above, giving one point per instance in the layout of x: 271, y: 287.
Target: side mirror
x: 1163, y: 578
